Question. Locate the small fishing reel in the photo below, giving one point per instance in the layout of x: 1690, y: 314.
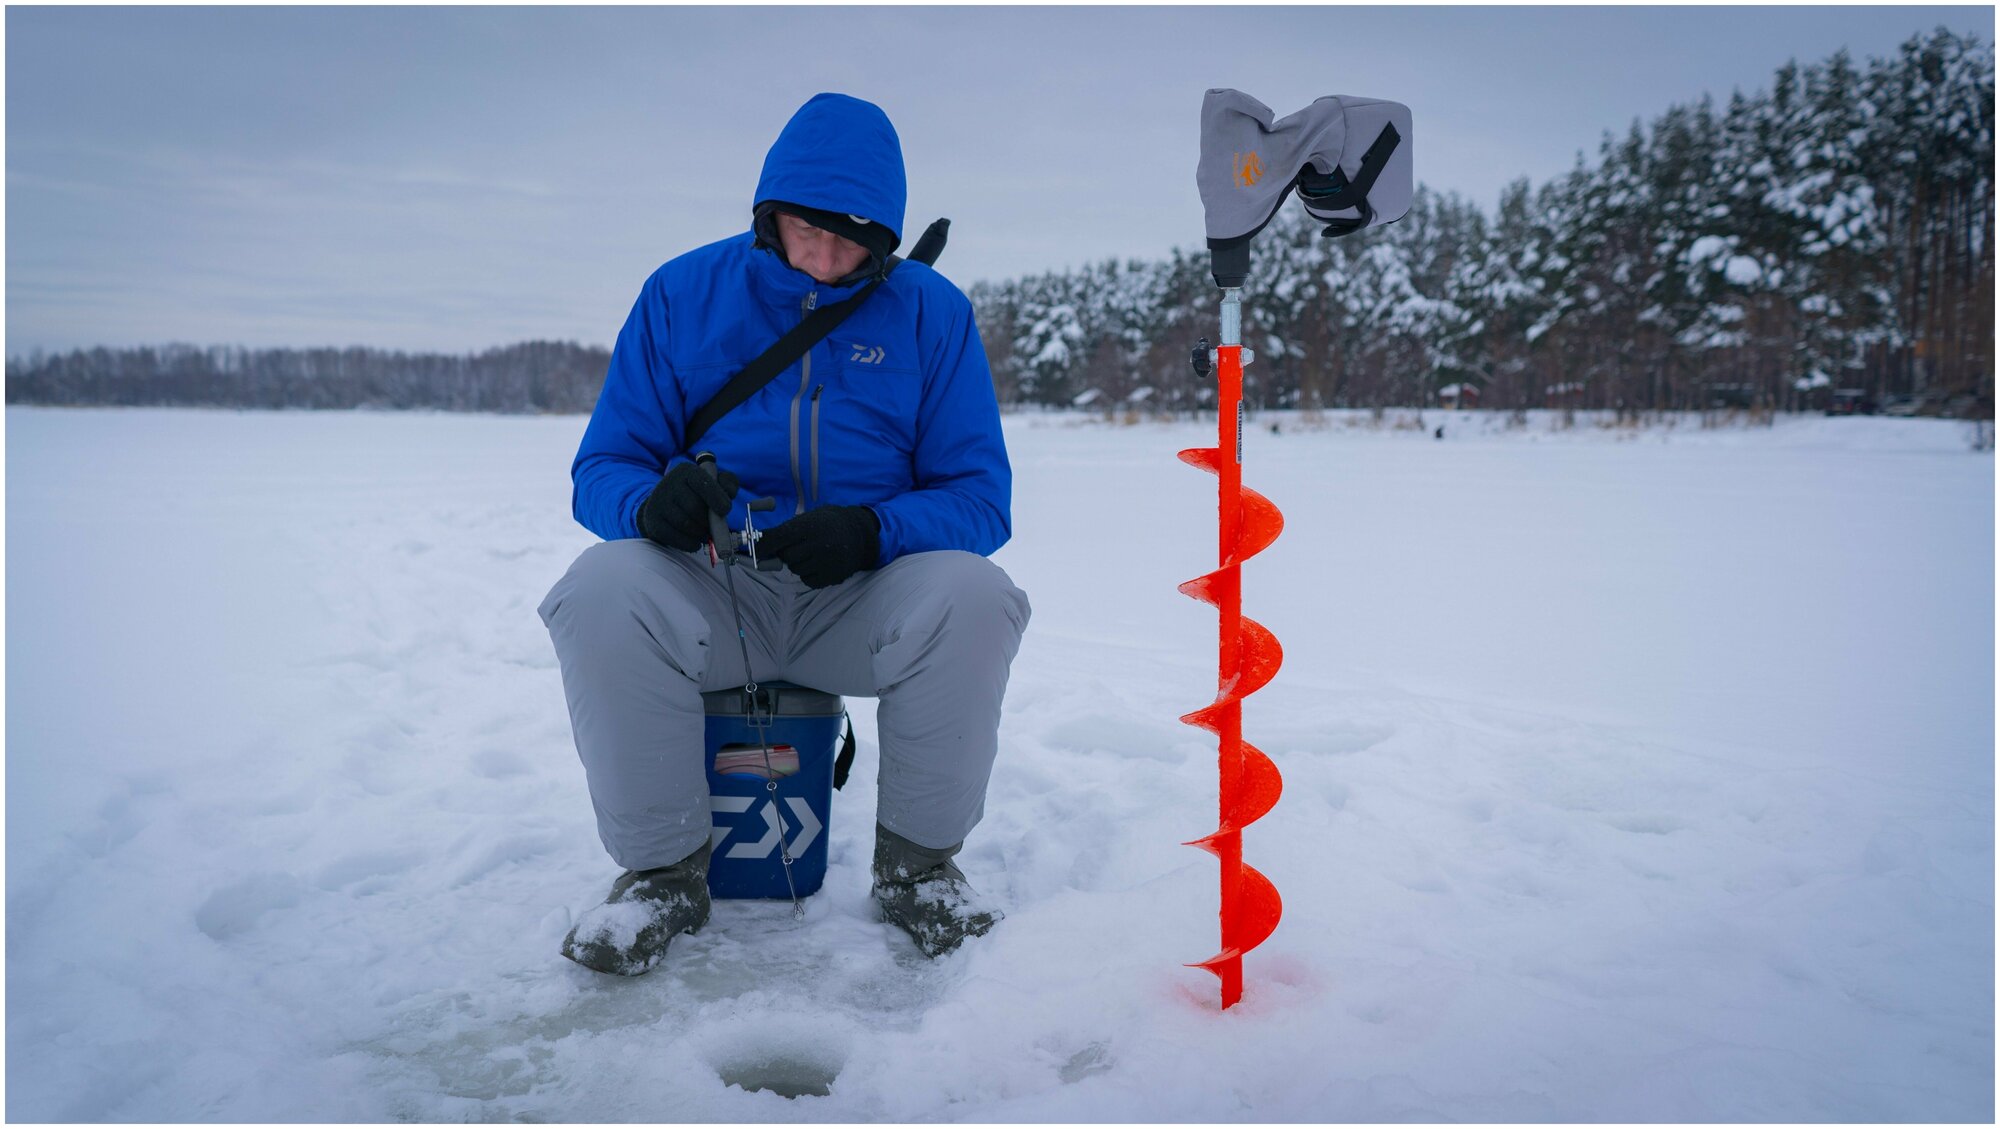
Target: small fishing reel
x: 744, y: 541
x: 725, y: 544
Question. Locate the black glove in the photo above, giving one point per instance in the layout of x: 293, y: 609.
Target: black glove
x: 825, y: 546
x: 676, y: 513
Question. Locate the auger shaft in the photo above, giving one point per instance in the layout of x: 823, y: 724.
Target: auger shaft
x: 1229, y: 635
x: 1247, y: 656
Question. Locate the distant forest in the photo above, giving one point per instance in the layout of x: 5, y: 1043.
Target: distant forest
x: 1834, y: 231
x: 538, y: 376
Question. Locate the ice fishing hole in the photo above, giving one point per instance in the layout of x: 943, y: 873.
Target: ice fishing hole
x: 776, y: 1052
x: 784, y: 1073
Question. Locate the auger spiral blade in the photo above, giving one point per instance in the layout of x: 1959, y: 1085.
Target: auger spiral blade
x: 1256, y: 790
x: 1255, y: 793
x: 1248, y: 657
x: 1258, y: 659
x: 1245, y: 925
x: 1261, y: 525
x: 1206, y: 458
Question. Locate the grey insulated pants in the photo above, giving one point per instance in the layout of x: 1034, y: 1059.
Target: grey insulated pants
x: 642, y: 631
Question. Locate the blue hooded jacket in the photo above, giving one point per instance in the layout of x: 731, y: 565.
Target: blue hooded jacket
x: 893, y: 410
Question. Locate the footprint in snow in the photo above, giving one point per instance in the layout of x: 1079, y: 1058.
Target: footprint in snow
x: 359, y: 869
x: 502, y: 852
x: 1647, y: 823
x: 499, y: 764
x: 117, y: 823
x: 1478, y: 810
x: 1128, y: 736
x: 236, y: 908
x: 1093, y: 1059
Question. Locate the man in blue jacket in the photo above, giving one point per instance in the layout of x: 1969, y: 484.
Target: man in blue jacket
x: 882, y: 446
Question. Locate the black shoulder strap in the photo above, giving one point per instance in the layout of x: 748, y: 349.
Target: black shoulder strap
x: 775, y: 360
x: 798, y: 339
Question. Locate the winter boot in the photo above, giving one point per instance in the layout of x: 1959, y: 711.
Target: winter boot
x: 923, y: 892
x: 628, y: 934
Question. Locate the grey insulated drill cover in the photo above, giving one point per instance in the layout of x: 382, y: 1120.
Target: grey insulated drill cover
x: 1249, y: 161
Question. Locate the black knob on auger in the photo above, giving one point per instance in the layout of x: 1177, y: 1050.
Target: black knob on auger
x: 1201, y: 364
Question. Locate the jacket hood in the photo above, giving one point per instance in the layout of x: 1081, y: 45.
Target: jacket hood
x: 838, y: 154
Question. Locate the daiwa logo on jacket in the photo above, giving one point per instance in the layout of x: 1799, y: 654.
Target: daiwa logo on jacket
x: 896, y: 412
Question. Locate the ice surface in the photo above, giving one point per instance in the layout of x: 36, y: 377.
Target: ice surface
x: 1628, y: 776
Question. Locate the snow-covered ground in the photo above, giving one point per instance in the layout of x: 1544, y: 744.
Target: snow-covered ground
x: 1628, y: 777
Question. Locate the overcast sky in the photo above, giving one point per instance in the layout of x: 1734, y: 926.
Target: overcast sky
x: 457, y: 178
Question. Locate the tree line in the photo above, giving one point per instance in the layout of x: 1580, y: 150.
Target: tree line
x: 535, y: 376
x: 1834, y: 231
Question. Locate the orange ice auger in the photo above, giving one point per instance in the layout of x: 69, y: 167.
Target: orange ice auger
x: 1349, y: 160
x: 1249, y: 656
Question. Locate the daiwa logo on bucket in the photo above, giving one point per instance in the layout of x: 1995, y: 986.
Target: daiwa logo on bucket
x: 774, y: 826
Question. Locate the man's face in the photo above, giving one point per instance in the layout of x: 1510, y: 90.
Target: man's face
x: 818, y: 252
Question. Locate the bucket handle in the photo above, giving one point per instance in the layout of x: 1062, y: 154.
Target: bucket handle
x: 845, y: 760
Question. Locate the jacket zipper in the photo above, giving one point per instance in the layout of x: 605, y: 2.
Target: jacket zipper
x: 817, y: 389
x: 805, y: 376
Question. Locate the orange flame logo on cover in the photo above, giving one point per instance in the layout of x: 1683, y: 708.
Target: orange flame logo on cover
x: 1249, y: 657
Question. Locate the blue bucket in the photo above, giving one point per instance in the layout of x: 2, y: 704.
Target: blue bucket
x: 751, y: 824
